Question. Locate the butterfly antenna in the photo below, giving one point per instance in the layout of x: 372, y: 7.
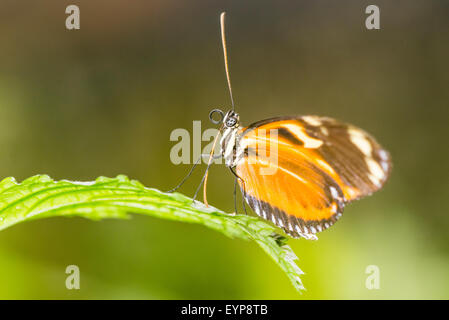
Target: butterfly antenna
x: 225, y: 54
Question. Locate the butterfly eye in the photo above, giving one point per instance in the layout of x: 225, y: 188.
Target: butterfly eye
x: 231, y: 122
x: 231, y: 119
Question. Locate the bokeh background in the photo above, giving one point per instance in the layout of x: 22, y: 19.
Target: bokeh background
x: 104, y: 99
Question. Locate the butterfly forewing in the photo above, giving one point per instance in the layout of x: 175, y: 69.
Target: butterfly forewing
x: 317, y: 166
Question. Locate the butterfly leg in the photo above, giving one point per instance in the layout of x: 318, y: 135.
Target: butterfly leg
x: 244, y: 203
x: 308, y: 236
x: 205, y: 175
x: 191, y: 171
x: 297, y: 235
x: 243, y: 192
x: 235, y: 196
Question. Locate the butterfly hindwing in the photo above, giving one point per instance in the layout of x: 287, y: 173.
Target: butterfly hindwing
x: 318, y: 165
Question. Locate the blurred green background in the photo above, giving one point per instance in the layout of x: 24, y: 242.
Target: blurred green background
x: 103, y: 100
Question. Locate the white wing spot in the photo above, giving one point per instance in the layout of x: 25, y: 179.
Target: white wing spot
x: 377, y: 174
x: 281, y: 223
x: 309, y: 236
x: 325, y: 165
x: 334, y: 207
x: 312, y: 120
x: 384, y: 165
x: 383, y: 155
x: 324, y: 131
x: 351, y: 192
x: 360, y: 141
x: 334, y: 192
x: 374, y: 180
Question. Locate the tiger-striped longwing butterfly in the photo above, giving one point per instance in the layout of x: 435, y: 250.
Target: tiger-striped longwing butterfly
x: 319, y: 165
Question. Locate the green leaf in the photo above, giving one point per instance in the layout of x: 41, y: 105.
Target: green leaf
x: 41, y: 197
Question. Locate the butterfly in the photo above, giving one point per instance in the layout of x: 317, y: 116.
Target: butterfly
x: 298, y: 172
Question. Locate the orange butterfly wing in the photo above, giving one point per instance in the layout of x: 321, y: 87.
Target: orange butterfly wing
x: 302, y: 174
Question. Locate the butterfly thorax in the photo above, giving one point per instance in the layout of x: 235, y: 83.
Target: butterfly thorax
x: 229, y: 143
x: 230, y: 139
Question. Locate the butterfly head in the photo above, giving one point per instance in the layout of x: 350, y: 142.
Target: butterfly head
x: 231, y: 119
